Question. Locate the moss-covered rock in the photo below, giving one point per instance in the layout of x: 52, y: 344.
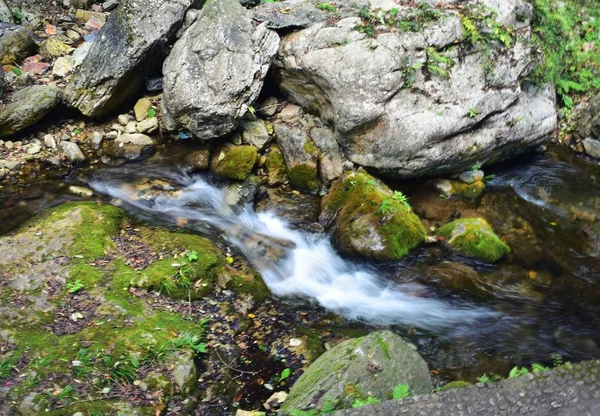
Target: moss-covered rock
x: 474, y: 238
x: 358, y: 369
x: 275, y: 167
x: 369, y: 219
x: 451, y: 188
x: 304, y: 176
x: 234, y: 162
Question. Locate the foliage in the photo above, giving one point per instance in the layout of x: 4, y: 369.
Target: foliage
x: 151, y: 112
x: 326, y: 7
x: 403, y: 199
x: 566, y: 36
x: 472, y: 113
x: 191, y: 341
x: 437, y: 64
x: 480, y: 25
x: 401, y: 391
x: 5, y: 369
x: 391, y: 19
x: 365, y: 402
x: 74, y: 287
x: 285, y: 374
x: 17, y: 16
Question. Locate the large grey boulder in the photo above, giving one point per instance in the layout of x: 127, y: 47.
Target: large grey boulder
x: 28, y: 106
x: 16, y: 44
x: 424, y: 102
x: 371, y: 366
x: 128, y: 47
x: 216, y: 70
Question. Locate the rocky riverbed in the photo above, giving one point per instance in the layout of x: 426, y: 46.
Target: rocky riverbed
x: 291, y: 207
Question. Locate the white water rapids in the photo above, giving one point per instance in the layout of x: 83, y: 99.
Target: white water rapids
x: 308, y: 268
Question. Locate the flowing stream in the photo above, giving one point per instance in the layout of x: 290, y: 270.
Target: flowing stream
x: 291, y: 262
x: 466, y: 317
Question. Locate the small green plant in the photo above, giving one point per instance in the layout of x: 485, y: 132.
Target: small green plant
x: 74, y: 287
x: 191, y: 341
x: 472, y: 113
x: 17, y: 16
x: 437, y: 64
x: 328, y: 7
x: 387, y: 207
x: 403, y: 199
x: 364, y: 402
x: 6, y: 369
x: 64, y: 395
x: 41, y: 363
x: 192, y: 256
x: 151, y: 113
x: 488, y: 379
x: 122, y: 371
x: 518, y: 371
x: 476, y: 166
x: 327, y: 409
x: 401, y: 391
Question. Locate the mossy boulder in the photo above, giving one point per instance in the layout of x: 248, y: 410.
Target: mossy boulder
x: 234, y: 162
x: 370, y: 220
x: 359, y: 369
x: 474, y: 238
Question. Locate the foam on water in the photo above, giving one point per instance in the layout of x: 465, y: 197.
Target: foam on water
x: 309, y: 267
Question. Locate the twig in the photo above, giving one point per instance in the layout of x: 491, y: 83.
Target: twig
x: 231, y: 368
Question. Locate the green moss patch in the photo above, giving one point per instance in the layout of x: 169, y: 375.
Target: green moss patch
x: 474, y: 238
x: 304, y: 176
x: 234, y: 162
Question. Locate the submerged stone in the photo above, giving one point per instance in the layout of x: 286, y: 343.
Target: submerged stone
x: 474, y: 238
x: 370, y: 220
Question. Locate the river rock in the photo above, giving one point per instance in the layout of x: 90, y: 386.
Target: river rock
x: 216, y: 70
x: 234, y: 162
x: 368, y: 219
x: 16, y: 44
x: 149, y: 125
x: 275, y: 167
x: 356, y: 369
x: 300, y: 154
x: 331, y: 162
x: 72, y: 152
x: 28, y: 106
x: 255, y: 133
x: 127, y: 48
x: 393, y: 113
x: 53, y: 48
x: 185, y: 373
x: 5, y: 14
x: 198, y: 160
x: 474, y: 238
x: 141, y: 108
x: 592, y: 147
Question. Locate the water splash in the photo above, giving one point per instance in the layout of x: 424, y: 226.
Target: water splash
x: 292, y: 263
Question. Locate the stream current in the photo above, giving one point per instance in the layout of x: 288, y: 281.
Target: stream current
x: 465, y: 317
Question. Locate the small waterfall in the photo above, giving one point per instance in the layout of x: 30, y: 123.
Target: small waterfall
x: 292, y: 263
